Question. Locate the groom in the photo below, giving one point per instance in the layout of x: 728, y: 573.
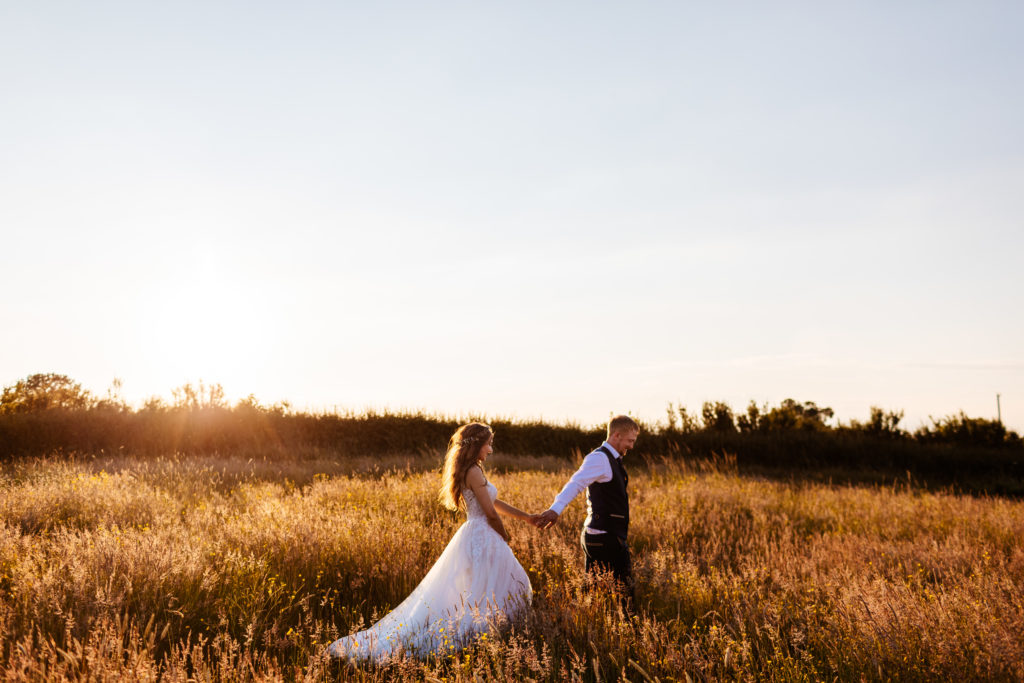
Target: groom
x: 606, y: 528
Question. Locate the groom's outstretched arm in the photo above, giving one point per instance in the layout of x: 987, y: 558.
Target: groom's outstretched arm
x: 595, y: 468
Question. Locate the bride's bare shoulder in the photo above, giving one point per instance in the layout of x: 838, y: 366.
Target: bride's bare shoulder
x: 475, y: 477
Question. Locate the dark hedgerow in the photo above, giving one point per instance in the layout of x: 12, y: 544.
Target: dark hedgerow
x: 49, y: 413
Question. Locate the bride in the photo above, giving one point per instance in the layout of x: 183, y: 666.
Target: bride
x: 475, y: 583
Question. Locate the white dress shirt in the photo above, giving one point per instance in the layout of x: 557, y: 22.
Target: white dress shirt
x: 595, y: 469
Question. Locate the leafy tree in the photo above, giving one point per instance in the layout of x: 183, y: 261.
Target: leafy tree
x: 44, y: 391
x: 680, y: 420
x: 961, y: 430
x: 750, y: 422
x: 717, y: 417
x: 790, y: 415
x: 249, y: 404
x: 881, y: 423
x: 687, y: 423
x: 672, y: 419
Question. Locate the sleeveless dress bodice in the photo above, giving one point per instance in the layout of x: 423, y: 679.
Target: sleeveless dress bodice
x: 481, y: 534
x: 475, y: 511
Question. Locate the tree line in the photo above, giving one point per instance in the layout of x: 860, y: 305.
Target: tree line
x: 49, y: 413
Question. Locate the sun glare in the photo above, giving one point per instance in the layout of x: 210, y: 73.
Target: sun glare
x: 208, y: 326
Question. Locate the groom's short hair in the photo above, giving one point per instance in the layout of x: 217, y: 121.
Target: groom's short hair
x: 622, y: 423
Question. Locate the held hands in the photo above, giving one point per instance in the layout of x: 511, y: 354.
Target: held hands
x: 544, y: 520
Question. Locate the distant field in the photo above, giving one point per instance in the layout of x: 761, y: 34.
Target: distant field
x: 228, y: 569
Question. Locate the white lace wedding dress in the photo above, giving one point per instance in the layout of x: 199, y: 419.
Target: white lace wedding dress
x: 476, y: 583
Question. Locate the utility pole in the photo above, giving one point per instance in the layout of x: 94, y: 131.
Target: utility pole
x: 999, y: 410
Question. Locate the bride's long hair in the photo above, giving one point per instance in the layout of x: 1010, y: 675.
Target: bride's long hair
x: 463, y: 452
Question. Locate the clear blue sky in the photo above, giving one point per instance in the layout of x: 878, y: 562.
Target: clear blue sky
x: 529, y: 208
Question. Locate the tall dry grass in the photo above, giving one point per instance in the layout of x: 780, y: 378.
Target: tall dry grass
x: 229, y: 569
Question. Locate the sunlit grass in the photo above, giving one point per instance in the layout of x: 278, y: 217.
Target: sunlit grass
x: 230, y: 569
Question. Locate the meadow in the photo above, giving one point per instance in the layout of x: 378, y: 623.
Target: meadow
x: 207, y: 568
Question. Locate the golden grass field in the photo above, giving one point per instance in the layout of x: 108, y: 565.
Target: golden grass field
x: 227, y: 569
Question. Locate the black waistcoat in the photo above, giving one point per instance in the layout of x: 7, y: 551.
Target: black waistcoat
x: 608, y: 502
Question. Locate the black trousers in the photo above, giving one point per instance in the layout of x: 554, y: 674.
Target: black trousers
x: 608, y: 552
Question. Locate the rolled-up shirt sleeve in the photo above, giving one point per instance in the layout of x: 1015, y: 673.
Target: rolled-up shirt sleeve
x: 595, y: 468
